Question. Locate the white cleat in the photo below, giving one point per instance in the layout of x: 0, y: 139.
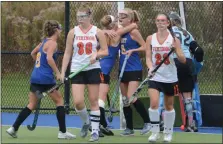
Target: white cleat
x: 154, y: 137
x: 167, y: 137
x: 66, y: 135
x: 11, y: 131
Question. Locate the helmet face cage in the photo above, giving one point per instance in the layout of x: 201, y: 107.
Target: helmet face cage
x: 175, y: 16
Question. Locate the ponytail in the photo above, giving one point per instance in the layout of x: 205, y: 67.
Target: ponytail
x: 135, y: 16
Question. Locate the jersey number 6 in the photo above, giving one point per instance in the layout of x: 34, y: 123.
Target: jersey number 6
x: 87, y: 46
x: 38, y: 56
x: 159, y: 59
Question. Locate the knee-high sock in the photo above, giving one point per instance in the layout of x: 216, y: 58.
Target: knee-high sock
x: 102, y: 111
x: 61, y: 118
x: 21, y: 117
x: 128, y: 117
x: 142, y: 111
x: 155, y: 120
x: 169, y: 119
x: 84, y: 115
x: 95, y: 120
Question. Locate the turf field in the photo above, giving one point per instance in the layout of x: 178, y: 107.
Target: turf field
x: 15, y: 88
x: 47, y: 129
x: 49, y: 135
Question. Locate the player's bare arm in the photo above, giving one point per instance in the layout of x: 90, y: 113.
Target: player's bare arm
x: 52, y: 46
x: 68, y: 51
x: 124, y: 30
x: 138, y: 38
x: 178, y: 50
x: 148, y: 52
x: 35, y: 51
x: 103, y: 51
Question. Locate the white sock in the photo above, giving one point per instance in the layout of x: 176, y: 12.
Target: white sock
x: 155, y: 120
x: 95, y: 120
x: 84, y: 115
x: 101, y: 103
x: 169, y: 119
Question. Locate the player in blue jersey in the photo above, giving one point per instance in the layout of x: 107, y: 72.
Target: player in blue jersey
x: 131, y: 44
x: 42, y: 79
x: 113, y: 36
x: 185, y: 71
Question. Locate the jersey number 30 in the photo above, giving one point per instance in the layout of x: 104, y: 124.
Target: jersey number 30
x: 87, y: 46
x: 159, y: 59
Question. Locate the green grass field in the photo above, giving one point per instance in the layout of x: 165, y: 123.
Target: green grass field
x: 15, y: 89
x: 49, y: 135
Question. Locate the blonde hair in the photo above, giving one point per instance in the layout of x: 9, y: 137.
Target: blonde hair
x: 106, y: 21
x: 50, y: 27
x: 133, y: 14
x: 85, y: 8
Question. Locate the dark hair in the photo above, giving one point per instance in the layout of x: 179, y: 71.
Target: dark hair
x: 170, y: 26
x: 50, y: 27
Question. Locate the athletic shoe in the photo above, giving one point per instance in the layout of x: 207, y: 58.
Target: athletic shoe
x: 100, y: 133
x: 194, y: 128
x: 154, y: 137
x: 94, y: 137
x: 188, y: 129
x: 66, y: 135
x: 146, y: 128
x: 84, y: 130
x: 167, y: 137
x: 11, y: 131
x: 127, y: 132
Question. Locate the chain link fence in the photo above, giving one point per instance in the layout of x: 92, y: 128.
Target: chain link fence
x: 21, y: 32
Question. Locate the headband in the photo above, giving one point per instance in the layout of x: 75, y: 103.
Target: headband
x: 112, y: 18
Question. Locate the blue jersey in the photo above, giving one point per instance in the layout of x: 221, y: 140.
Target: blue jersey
x: 108, y: 62
x: 185, y: 41
x: 42, y: 72
x: 133, y: 63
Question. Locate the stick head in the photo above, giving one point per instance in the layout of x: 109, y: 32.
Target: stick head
x: 39, y: 94
x: 31, y: 128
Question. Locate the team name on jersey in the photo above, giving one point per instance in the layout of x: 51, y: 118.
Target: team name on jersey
x: 92, y: 38
x: 161, y: 49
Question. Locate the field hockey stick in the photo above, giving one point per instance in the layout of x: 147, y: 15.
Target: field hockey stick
x: 114, y: 96
x: 108, y: 99
x: 31, y: 128
x: 41, y: 95
x: 140, y: 87
x: 109, y: 105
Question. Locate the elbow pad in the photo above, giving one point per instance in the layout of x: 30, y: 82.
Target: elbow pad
x: 197, y: 51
